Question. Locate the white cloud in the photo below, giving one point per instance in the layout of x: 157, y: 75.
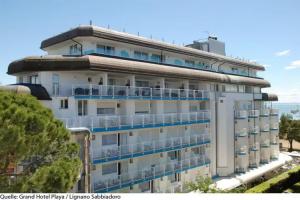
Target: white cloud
x: 283, y: 53
x: 293, y: 65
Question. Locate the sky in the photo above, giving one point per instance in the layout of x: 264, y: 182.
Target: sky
x: 267, y: 32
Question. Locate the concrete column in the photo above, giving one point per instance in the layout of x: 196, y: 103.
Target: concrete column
x: 131, y: 80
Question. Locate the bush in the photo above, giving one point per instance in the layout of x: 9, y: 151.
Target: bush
x: 279, y: 183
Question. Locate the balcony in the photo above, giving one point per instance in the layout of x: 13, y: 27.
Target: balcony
x: 253, y: 113
x: 274, y: 127
x: 127, y: 122
x: 123, y: 54
x: 150, y: 173
x: 274, y: 112
x: 242, y: 133
x: 265, y: 113
x: 152, y: 147
x: 254, y: 147
x: 89, y: 91
x: 242, y: 151
x: 254, y: 130
x: 241, y: 114
x: 265, y: 128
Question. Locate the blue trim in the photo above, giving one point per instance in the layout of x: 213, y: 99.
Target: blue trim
x: 264, y: 162
x: 264, y: 131
x: 241, y: 153
x: 273, y: 115
x: 240, y: 117
x: 264, y: 115
x: 86, y: 97
x: 265, y: 146
x: 254, y: 133
x: 154, y: 151
x: 253, y: 149
x: 253, y: 116
x: 128, y: 127
x: 130, y: 183
x: 273, y: 129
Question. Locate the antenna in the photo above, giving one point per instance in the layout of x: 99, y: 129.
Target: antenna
x: 91, y: 23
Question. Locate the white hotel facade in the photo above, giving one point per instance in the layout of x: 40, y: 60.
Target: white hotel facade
x: 149, y: 115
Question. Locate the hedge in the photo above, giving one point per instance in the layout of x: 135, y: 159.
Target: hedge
x: 279, y: 183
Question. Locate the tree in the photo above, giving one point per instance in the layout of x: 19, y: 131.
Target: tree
x: 32, y: 138
x: 289, y: 129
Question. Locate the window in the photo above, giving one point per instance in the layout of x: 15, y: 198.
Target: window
x: 190, y: 63
x: 109, y: 168
x: 145, y: 186
x: 142, y: 84
x: 256, y: 90
x: 105, y: 111
x: 74, y: 49
x: 33, y: 79
x: 140, y: 55
x: 172, y: 155
x: 55, y: 84
x: 108, y: 50
x: 64, y: 104
x: 21, y: 79
x: 241, y: 88
x: 155, y: 58
x: 109, y: 139
x: 82, y: 107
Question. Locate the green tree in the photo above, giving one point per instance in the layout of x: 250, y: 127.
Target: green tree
x: 32, y: 138
x: 289, y: 129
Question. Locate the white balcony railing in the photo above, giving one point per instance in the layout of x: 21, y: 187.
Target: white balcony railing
x: 132, y: 150
x: 145, y: 174
x: 253, y: 113
x: 112, y: 91
x: 241, y: 114
x: 134, y: 121
x: 264, y: 112
x: 274, y: 126
x: 254, y: 130
x: 265, y: 128
x: 243, y: 132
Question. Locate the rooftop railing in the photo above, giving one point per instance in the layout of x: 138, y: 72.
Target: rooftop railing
x: 150, y: 173
x: 157, y: 59
x: 117, y: 92
x: 148, y: 147
x: 125, y: 122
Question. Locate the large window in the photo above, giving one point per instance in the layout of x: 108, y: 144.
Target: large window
x: 101, y: 49
x: 140, y: 55
x: 74, y: 49
x: 82, y: 107
x: 190, y: 63
x: 109, y: 168
x: 109, y: 139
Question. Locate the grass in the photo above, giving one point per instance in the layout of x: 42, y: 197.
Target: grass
x: 278, y: 183
x: 294, y: 188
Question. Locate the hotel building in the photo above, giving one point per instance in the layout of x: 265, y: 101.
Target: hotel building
x: 149, y: 115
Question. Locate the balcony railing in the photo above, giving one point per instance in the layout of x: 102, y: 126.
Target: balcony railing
x: 127, y: 92
x: 254, y: 130
x: 265, y: 128
x: 242, y: 132
x: 125, y: 122
x: 129, y: 56
x: 150, y: 173
x: 274, y: 126
x: 254, y: 147
x: 241, y: 114
x: 274, y: 112
x: 242, y: 151
x: 253, y: 113
x: 265, y: 113
x: 149, y: 147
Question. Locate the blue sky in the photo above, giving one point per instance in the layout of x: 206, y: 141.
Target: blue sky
x: 265, y: 31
